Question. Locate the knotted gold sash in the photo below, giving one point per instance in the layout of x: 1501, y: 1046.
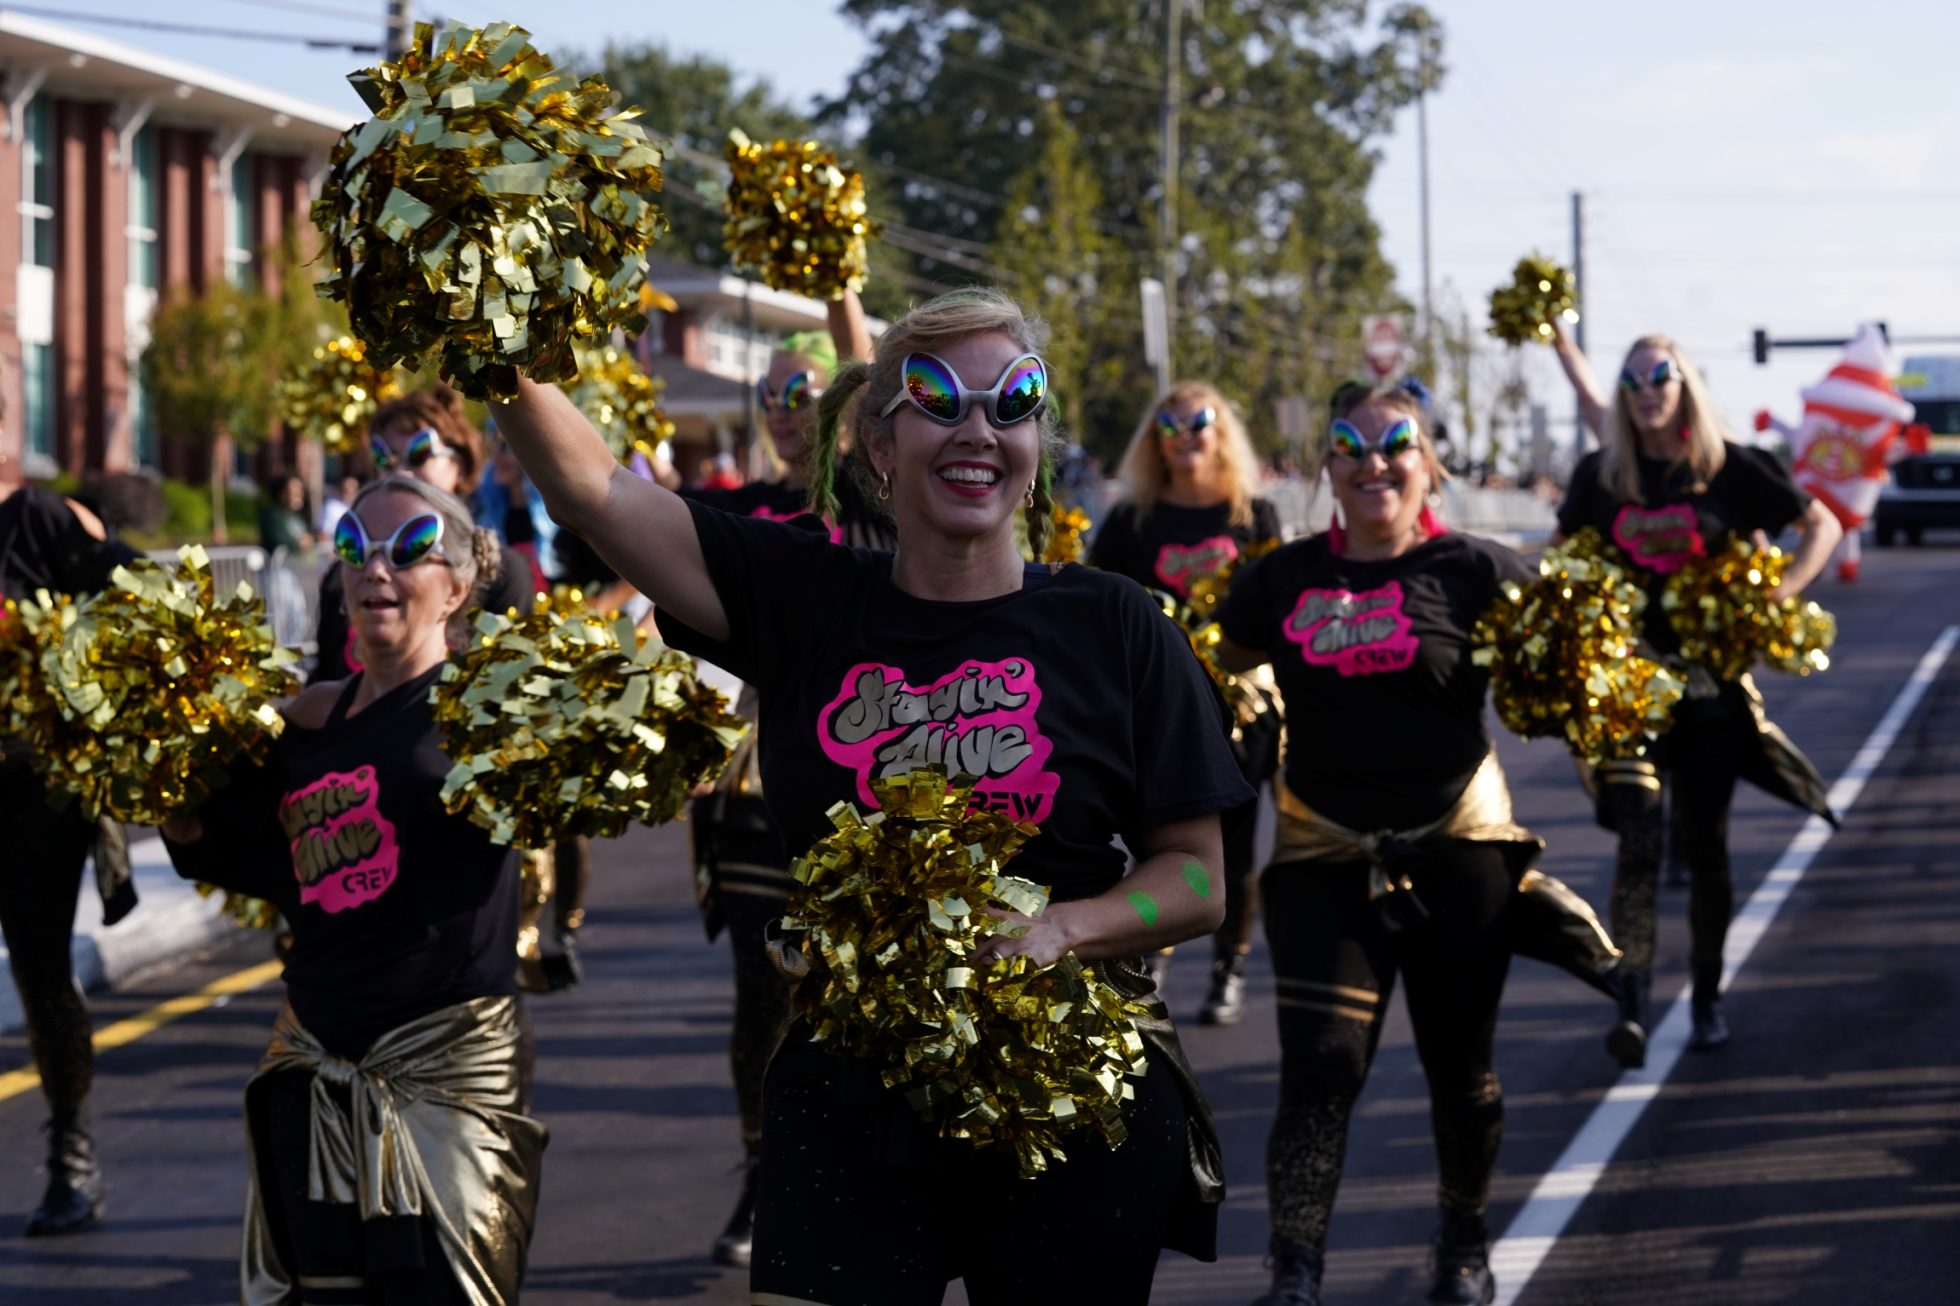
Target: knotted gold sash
x: 431, y: 1126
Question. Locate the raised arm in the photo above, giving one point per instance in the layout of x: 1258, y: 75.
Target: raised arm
x: 1821, y: 533
x: 1592, y: 403
x: 644, y: 532
x: 848, y: 329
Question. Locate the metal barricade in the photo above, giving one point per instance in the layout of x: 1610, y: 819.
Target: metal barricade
x: 289, y: 582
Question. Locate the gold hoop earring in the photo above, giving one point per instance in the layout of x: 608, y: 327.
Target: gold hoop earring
x: 885, y: 489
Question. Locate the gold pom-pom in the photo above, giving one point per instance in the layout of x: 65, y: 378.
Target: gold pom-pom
x: 1721, y: 611
x: 563, y: 723
x: 157, y: 683
x: 620, y: 400
x: 333, y: 397
x: 490, y: 213
x: 795, y: 218
x: 29, y: 708
x: 892, y: 907
x: 252, y: 913
x: 1540, y: 293
x: 1562, y: 661
x: 1068, y: 534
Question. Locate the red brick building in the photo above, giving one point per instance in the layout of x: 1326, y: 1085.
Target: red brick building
x: 124, y: 174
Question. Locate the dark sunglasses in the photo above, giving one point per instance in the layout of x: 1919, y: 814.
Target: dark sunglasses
x: 1664, y: 372
x: 1169, y: 428
x: 931, y: 385
x: 1397, y: 439
x: 796, y: 392
x: 419, y: 539
x: 422, y: 446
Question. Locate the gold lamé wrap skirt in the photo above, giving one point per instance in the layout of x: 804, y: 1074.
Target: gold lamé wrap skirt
x: 1548, y: 922
x: 432, y: 1128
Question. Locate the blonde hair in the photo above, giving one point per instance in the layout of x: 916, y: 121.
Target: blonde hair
x: 1144, y: 474
x: 474, y: 554
x: 1703, y: 446
x: 927, y: 328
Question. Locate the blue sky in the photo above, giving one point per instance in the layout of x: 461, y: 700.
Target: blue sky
x: 1794, y: 166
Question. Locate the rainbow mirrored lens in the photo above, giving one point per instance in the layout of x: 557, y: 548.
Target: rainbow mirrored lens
x: 1167, y: 426
x: 1345, y: 441
x: 384, y: 457
x: 415, y: 540
x: 1021, y: 391
x: 1662, y: 374
x: 796, y: 391
x: 933, y: 387
x: 421, y: 447
x: 1398, y: 439
x: 350, y: 541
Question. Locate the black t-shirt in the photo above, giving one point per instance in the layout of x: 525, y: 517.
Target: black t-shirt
x: 1674, y: 521
x: 514, y: 587
x: 1175, y: 545
x: 44, y: 546
x: 1080, y: 706
x: 857, y: 523
x: 1384, y: 708
x: 397, y: 908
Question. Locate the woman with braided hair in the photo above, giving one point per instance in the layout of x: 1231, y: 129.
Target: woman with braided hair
x: 1076, y: 704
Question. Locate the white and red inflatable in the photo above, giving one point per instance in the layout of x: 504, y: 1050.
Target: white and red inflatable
x: 1851, y: 431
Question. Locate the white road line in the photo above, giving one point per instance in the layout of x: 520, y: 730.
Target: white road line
x: 1558, y: 1196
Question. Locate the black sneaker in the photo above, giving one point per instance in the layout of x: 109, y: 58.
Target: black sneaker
x: 1627, y: 1040
x: 73, y: 1200
x: 1462, y: 1258
x: 1296, y: 1274
x: 1711, y: 1030
x: 1225, y: 1003
x: 738, y: 1237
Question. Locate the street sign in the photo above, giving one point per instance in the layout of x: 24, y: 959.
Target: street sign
x: 1383, y: 343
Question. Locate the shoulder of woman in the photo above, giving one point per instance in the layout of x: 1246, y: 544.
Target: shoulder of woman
x: 314, y: 704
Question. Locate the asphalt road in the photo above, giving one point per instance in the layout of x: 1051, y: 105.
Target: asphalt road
x: 1815, y: 1159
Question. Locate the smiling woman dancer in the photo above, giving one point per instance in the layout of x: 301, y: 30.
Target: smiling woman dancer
x: 1666, y: 486
x: 1089, y: 716
x: 391, y: 1159
x: 1396, y: 853
x: 1189, y: 508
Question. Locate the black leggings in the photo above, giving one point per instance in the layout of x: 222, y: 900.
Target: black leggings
x: 1701, y: 757
x: 861, y: 1204
x: 47, y: 850
x: 1233, y: 937
x: 1335, y: 964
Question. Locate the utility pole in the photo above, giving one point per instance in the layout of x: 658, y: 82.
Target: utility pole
x: 1173, y: 59
x: 1579, y: 307
x: 395, y: 38
x: 1422, y: 150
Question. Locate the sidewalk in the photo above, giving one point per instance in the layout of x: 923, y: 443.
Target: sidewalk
x: 170, y: 922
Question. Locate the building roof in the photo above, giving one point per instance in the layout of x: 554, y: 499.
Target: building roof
x: 723, y: 294
x: 82, y: 66
x: 693, y: 392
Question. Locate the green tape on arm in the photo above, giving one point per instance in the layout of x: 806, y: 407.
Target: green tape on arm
x: 1194, y: 875
x: 1146, y: 907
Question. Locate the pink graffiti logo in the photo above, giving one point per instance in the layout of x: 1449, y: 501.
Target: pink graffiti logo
x: 1180, y: 564
x: 344, y: 851
x: 980, y: 720
x: 1660, y: 539
x: 767, y: 513
x: 1356, y: 634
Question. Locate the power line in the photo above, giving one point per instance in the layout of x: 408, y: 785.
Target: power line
x: 364, y: 16
x: 189, y: 29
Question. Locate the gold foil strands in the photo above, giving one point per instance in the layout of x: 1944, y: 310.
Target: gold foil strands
x: 621, y: 401
x: 332, y: 398
x: 1721, y: 610
x: 1068, y: 534
x: 1540, y: 293
x: 140, y: 698
x: 565, y: 723
x: 795, y: 217
x: 891, y: 907
x: 490, y: 214
x: 1562, y: 661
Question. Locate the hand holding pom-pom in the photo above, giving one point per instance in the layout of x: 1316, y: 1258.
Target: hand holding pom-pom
x: 1725, y: 613
x: 894, y: 907
x: 795, y: 217
x: 562, y: 723
x: 1541, y: 294
x: 490, y: 213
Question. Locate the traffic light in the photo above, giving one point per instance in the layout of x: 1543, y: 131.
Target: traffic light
x: 1762, y: 346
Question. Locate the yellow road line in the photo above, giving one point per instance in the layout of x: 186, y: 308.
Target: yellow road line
x: 16, y: 1082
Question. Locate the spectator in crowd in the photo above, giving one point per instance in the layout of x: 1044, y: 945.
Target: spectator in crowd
x: 282, y: 517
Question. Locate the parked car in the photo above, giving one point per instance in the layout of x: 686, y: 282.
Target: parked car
x: 1924, y: 489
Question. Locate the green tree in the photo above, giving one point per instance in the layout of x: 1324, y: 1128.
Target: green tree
x: 1277, y: 258
x: 692, y: 101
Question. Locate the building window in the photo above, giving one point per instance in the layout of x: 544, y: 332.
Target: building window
x: 37, y: 184
x: 241, y: 222
x: 145, y: 209
x: 37, y: 397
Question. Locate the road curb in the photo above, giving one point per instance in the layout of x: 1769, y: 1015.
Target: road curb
x: 170, y: 922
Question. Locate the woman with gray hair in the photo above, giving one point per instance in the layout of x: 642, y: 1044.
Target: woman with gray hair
x: 390, y: 1156
x: 1080, y: 707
